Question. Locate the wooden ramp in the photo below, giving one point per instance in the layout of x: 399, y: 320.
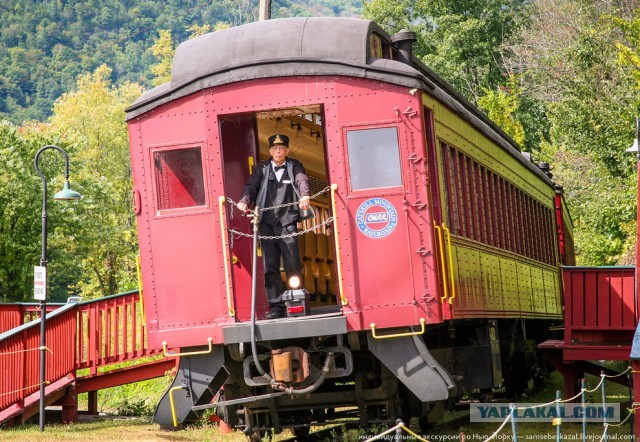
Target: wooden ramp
x: 81, y: 337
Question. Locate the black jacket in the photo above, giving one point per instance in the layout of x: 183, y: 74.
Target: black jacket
x: 252, y: 188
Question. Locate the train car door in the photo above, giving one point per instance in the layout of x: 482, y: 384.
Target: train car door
x: 385, y: 220
x: 239, y: 139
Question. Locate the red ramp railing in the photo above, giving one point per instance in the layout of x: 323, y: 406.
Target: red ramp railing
x: 82, y: 335
x: 601, y: 312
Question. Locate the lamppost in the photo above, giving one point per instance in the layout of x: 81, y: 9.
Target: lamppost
x: 65, y: 194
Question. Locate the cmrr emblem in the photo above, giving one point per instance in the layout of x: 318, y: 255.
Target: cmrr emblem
x: 376, y: 218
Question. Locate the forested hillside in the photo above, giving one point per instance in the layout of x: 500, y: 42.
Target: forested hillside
x: 45, y: 45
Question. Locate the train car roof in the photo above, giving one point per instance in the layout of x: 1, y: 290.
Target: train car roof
x: 309, y: 46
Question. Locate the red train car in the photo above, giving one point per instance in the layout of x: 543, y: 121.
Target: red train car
x: 432, y: 265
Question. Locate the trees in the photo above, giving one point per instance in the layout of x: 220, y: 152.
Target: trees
x: 561, y: 77
x: 164, y: 50
x: 568, y: 60
x: 44, y: 46
x: 92, y: 118
x: 92, y: 242
x: 20, y: 207
x: 460, y: 40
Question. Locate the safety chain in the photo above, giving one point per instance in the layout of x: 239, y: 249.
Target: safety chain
x: 25, y: 388
x: 263, y: 209
x: 235, y: 233
x: 26, y: 350
x: 290, y: 235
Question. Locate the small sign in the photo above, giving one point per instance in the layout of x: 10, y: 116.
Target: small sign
x: 40, y: 283
x: 376, y: 218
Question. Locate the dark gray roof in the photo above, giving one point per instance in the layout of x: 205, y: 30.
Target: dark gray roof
x: 304, y: 46
x: 276, y: 48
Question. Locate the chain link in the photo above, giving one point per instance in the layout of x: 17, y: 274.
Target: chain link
x: 290, y: 235
x: 263, y: 209
x: 235, y: 233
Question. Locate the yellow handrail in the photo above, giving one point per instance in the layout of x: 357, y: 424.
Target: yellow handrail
x: 225, y: 254
x: 442, y: 262
x: 251, y: 164
x: 193, y: 353
x: 398, y: 335
x: 144, y: 317
x: 334, y: 187
x: 173, y: 407
x: 453, y: 281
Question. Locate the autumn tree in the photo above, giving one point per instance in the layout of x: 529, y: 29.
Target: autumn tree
x: 92, y: 120
x: 567, y: 59
x: 20, y: 209
x: 462, y: 41
x: 501, y: 105
x: 164, y: 51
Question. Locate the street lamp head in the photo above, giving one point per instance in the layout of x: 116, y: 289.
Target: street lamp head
x: 67, y: 193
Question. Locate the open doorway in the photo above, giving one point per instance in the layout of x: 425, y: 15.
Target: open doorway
x: 245, y: 144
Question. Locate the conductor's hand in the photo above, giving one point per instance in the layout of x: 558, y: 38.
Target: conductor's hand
x: 242, y: 207
x: 304, y: 202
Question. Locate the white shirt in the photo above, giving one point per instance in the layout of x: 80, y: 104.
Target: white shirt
x: 280, y: 172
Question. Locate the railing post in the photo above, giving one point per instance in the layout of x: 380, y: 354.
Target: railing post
x: 584, y: 415
x: 93, y: 349
x: 514, y: 425
x: 604, y: 401
x: 559, y: 422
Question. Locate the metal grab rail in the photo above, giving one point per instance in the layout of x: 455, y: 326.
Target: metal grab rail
x: 143, y: 317
x: 192, y: 353
x: 343, y: 300
x: 453, y: 281
x: 398, y: 335
x: 173, y: 405
x: 448, y: 277
x: 443, y: 265
x: 225, y: 254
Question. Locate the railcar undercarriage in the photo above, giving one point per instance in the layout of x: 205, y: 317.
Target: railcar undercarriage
x: 352, y: 378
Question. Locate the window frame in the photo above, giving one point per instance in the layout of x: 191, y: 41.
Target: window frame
x: 380, y: 191
x: 179, y: 211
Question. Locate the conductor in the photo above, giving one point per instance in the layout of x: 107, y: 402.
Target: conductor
x: 272, y: 185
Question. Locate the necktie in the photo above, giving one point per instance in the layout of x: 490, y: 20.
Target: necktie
x: 277, y: 168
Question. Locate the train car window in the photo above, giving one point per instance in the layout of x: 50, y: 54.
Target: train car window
x: 178, y: 176
x: 451, y: 195
x: 380, y: 48
x: 374, y: 158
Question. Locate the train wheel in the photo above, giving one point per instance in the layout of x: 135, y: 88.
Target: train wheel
x: 301, y: 433
x: 260, y: 436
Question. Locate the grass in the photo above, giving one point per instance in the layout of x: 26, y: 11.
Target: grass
x: 142, y: 429
x: 130, y: 429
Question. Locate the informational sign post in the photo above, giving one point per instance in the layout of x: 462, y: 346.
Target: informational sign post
x: 40, y: 283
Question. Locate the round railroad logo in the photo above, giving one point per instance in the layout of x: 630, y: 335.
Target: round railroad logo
x: 376, y: 218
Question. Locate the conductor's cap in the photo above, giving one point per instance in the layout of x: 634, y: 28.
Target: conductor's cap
x: 278, y: 139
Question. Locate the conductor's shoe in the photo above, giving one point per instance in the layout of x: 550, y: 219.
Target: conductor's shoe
x: 277, y: 312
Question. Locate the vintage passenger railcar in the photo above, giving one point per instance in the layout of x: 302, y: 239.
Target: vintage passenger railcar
x: 433, y: 264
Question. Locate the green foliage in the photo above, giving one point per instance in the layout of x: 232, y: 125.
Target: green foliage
x: 45, y: 46
x: 461, y: 40
x: 92, y: 118
x: 20, y: 210
x: 501, y: 106
x: 136, y: 399
x: 590, y: 101
x: 164, y: 50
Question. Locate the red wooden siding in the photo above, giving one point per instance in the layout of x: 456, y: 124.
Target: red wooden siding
x: 601, y: 312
